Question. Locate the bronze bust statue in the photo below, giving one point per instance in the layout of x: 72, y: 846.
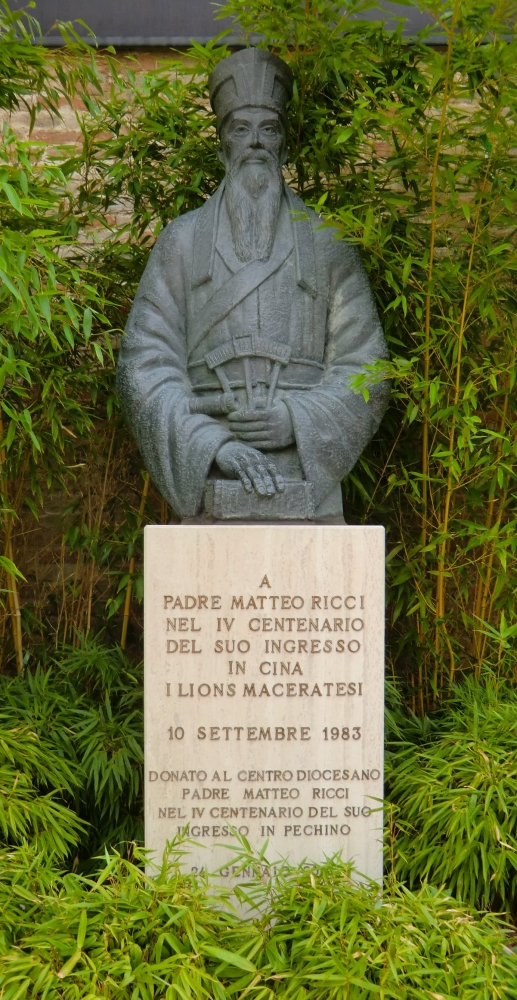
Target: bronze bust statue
x: 247, y: 326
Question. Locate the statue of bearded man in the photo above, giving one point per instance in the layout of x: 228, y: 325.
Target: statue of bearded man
x: 249, y: 324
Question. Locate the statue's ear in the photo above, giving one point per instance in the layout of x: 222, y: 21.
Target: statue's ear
x: 220, y: 155
x: 284, y: 153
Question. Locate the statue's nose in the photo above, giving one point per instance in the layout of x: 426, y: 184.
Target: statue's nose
x: 255, y: 139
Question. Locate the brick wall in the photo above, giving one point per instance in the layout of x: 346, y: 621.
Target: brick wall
x: 54, y: 131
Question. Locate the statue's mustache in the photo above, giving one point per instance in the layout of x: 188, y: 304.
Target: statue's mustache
x: 256, y: 154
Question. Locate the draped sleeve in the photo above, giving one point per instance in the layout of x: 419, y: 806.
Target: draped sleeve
x: 332, y: 423
x: 178, y: 447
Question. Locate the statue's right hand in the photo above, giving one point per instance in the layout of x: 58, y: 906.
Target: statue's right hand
x: 255, y: 471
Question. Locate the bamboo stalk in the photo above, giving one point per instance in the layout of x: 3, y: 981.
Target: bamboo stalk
x: 72, y: 603
x: 420, y: 691
x: 385, y: 466
x: 432, y: 242
x: 15, y: 612
x: 14, y: 601
x: 63, y: 608
x: 3, y: 624
x: 483, y: 611
x: 483, y: 584
x: 164, y: 511
x: 97, y: 527
x: 81, y: 604
x: 424, y: 531
x: 77, y: 585
x: 440, y: 629
x: 129, y: 588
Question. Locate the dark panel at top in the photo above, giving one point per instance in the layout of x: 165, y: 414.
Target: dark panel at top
x: 132, y: 22
x: 414, y: 20
x: 166, y: 22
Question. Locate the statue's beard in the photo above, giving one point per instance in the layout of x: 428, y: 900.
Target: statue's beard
x: 253, y: 195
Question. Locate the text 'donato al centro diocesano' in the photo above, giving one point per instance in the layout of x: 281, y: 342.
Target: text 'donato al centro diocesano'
x: 264, y: 670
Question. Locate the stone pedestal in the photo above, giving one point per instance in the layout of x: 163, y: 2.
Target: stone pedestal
x: 264, y: 671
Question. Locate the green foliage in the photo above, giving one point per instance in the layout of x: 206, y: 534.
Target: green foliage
x: 453, y: 791
x: 23, y: 68
x: 71, y: 775
x: 75, y: 728
x: 318, y: 936
x: 54, y: 340
x: 28, y: 765
x: 409, y: 151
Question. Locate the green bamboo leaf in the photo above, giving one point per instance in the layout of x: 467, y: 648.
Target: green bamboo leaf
x: 87, y: 323
x: 81, y: 933
x: 343, y: 135
x: 500, y: 249
x: 229, y: 957
x: 12, y: 196
x: 9, y: 284
x: 11, y: 567
x: 69, y: 966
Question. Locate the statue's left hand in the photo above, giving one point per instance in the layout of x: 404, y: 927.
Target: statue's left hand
x: 264, y: 429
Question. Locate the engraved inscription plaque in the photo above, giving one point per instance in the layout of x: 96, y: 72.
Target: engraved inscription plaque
x: 264, y: 673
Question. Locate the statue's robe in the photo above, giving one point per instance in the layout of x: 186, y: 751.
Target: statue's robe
x: 195, y: 298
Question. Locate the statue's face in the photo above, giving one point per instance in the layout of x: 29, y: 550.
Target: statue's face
x: 249, y: 133
x: 253, y: 150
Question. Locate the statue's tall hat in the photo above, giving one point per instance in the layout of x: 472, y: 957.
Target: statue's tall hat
x: 250, y: 78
